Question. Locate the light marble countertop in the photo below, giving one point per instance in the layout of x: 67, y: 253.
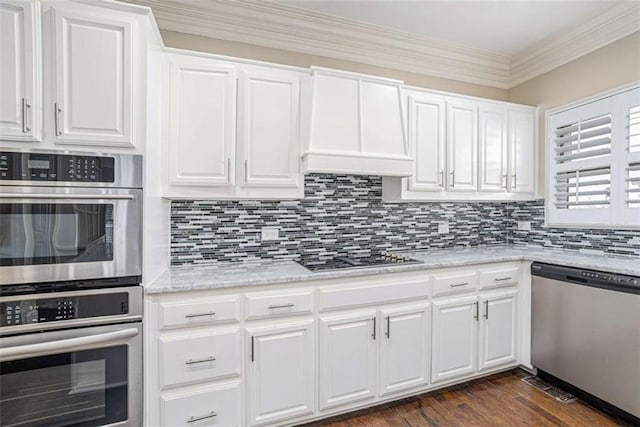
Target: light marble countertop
x: 228, y: 275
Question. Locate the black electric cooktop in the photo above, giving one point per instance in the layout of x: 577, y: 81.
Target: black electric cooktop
x: 349, y: 261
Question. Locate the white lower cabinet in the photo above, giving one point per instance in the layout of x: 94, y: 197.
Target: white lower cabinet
x: 498, y: 326
x: 348, y: 358
x: 455, y: 338
x: 218, y: 405
x: 280, y: 372
x: 404, y: 348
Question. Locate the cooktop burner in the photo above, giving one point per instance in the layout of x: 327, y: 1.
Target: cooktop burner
x: 348, y: 261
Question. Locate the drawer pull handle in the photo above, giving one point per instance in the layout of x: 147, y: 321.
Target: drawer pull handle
x: 502, y: 279
x: 456, y: 285
x: 190, y: 315
x: 273, y: 307
x: 193, y: 419
x: 193, y: 362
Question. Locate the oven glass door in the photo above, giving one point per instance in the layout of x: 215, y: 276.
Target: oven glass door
x: 55, y: 233
x: 83, y: 387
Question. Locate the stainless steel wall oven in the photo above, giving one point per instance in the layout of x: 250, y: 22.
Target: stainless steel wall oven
x: 69, y: 216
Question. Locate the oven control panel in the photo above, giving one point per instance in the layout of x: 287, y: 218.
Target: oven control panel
x: 55, y: 309
x: 15, y: 166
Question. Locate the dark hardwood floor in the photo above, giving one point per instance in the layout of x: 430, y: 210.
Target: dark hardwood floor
x: 498, y: 400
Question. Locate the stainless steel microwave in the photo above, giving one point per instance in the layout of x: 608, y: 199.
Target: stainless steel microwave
x: 69, y: 216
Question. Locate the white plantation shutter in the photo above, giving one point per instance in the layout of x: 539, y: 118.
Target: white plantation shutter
x: 594, y: 163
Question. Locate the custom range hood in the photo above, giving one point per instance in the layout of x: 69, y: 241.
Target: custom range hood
x: 356, y: 125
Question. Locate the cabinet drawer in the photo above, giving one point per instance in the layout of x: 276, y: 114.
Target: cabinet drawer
x: 199, y: 357
x: 187, y: 313
x: 269, y: 304
x: 209, y: 406
x: 454, y: 283
x: 499, y: 277
x: 341, y: 297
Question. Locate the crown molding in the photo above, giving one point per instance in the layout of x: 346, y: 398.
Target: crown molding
x: 617, y: 22
x: 278, y: 26
x: 274, y: 25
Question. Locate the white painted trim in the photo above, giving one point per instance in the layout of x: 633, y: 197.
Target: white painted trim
x: 291, y: 28
x: 299, y: 30
x: 617, y: 22
x: 593, y: 98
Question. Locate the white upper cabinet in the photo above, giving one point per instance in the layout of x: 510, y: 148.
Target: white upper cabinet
x: 467, y: 149
x: 462, y: 145
x: 269, y: 130
x: 96, y: 70
x: 233, y: 129
x: 427, y: 123
x: 201, y: 119
x: 493, y: 148
x: 20, y: 62
x: 522, y: 151
x: 356, y: 125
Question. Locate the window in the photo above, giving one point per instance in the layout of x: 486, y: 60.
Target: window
x: 594, y: 162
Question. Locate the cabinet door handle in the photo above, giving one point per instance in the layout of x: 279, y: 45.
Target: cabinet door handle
x: 514, y: 181
x: 441, y: 178
x: 486, y: 309
x: 453, y: 178
x: 457, y: 285
x: 229, y: 167
x: 505, y: 180
x: 477, y: 316
x: 25, y: 116
x: 252, y: 350
x: 273, y: 307
x: 193, y: 418
x: 388, y: 327
x: 374, y: 328
x: 502, y: 279
x: 195, y: 362
x: 246, y: 171
x: 192, y: 315
x: 57, y: 119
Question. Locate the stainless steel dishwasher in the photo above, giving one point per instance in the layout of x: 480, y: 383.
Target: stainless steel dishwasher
x: 586, y: 335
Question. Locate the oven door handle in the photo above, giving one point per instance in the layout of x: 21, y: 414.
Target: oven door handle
x: 68, y: 345
x: 67, y: 196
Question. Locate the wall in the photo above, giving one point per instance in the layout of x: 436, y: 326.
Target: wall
x: 611, y: 66
x: 279, y: 56
x: 345, y: 214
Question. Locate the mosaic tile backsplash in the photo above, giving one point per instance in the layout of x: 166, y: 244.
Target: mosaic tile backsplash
x: 345, y: 214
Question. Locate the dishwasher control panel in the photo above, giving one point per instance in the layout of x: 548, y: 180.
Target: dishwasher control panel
x: 612, y: 278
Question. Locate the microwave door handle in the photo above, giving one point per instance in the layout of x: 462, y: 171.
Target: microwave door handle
x: 67, y: 196
x: 68, y: 345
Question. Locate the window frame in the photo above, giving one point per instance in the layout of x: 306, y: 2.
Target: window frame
x: 619, y: 215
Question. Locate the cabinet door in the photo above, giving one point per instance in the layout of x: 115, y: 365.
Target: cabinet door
x: 426, y: 136
x: 454, y: 343
x: 268, y: 129
x: 522, y: 144
x: 493, y: 149
x: 498, y: 330
x: 95, y: 67
x: 19, y: 70
x: 462, y: 142
x: 201, y: 115
x: 280, y: 372
x: 347, y: 371
x: 404, y: 348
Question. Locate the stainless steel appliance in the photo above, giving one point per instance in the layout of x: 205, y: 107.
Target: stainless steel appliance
x: 69, y: 216
x: 70, y: 358
x: 351, y: 261
x: 586, y: 335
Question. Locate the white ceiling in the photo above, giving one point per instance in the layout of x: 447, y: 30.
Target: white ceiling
x: 506, y: 27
